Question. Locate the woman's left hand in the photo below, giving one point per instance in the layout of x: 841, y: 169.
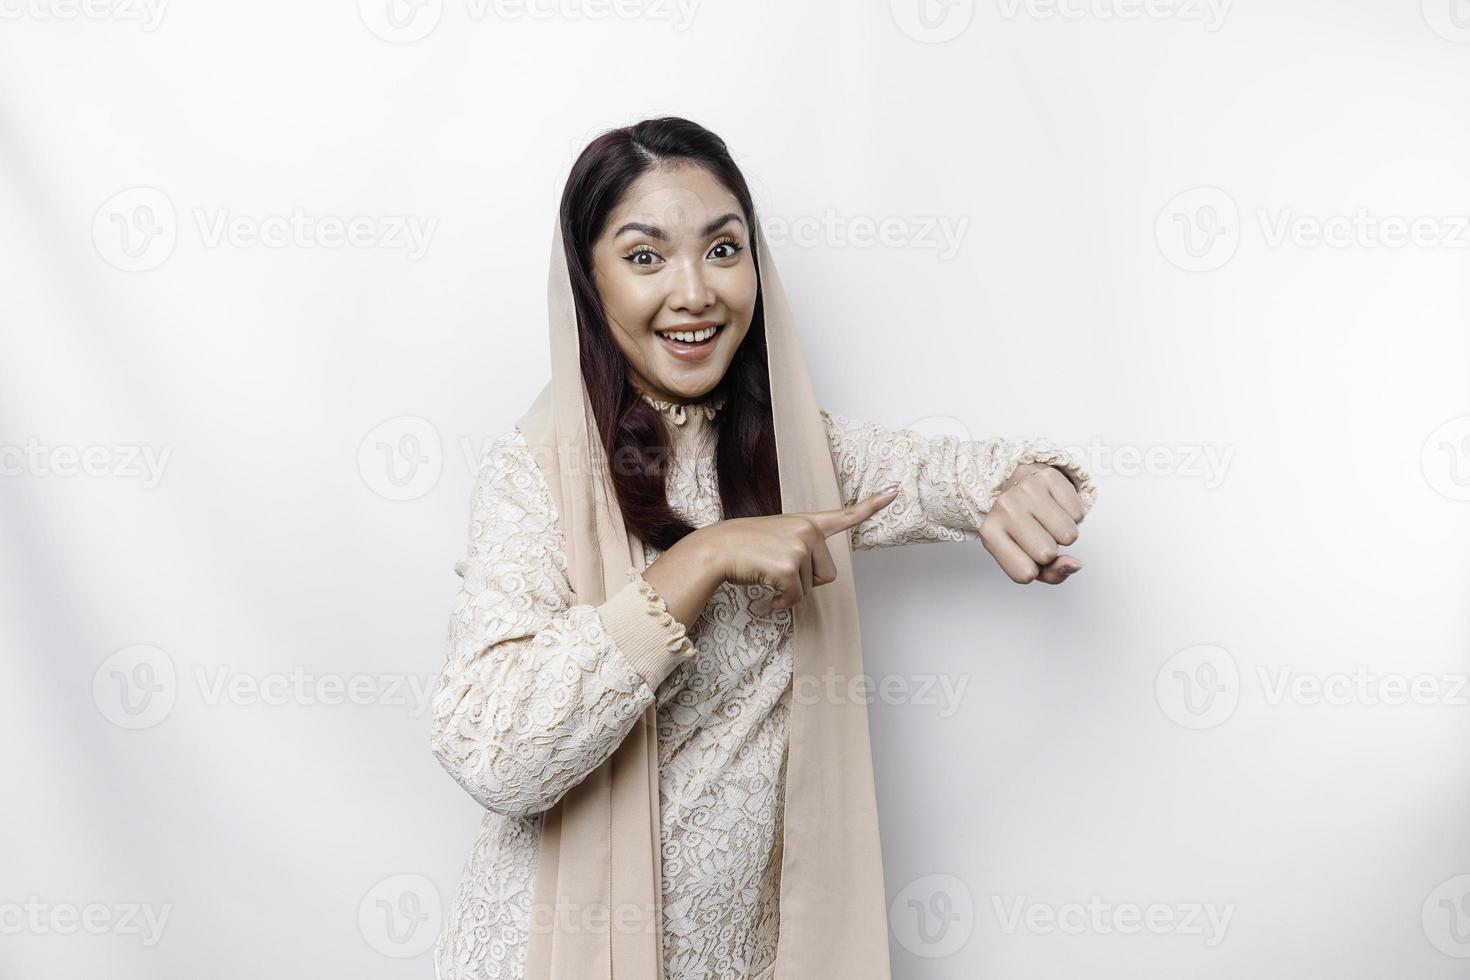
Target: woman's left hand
x: 1030, y: 522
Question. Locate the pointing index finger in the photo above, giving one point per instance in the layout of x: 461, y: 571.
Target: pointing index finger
x: 829, y: 522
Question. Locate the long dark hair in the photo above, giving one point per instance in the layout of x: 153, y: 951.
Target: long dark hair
x: 633, y: 433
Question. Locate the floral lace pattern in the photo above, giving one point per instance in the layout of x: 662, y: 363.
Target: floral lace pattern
x: 679, y: 412
x: 535, y: 694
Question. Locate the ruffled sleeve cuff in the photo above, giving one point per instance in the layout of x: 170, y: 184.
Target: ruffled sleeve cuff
x: 640, y: 625
x: 1041, y: 451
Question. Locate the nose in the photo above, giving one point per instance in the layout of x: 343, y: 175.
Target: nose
x: 691, y: 291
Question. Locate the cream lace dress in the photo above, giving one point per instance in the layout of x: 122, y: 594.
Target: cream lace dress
x: 538, y: 690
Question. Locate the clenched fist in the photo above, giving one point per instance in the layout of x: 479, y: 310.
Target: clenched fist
x: 1036, y: 515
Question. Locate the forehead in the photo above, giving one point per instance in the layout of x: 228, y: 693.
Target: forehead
x: 681, y: 200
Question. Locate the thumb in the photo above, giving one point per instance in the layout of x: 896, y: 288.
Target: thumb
x: 1059, y: 569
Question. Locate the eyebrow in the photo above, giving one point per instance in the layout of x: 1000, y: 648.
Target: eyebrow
x: 653, y: 231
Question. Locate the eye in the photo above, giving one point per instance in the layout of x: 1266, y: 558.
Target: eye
x: 641, y: 250
x: 728, y: 242
x: 735, y: 247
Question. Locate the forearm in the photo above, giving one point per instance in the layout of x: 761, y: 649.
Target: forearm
x: 538, y: 690
x: 947, y: 484
x: 686, y: 575
x: 526, y: 707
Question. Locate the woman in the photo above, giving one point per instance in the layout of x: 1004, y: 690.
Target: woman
x: 659, y: 559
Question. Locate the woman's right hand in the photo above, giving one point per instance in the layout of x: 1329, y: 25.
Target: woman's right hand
x: 785, y: 551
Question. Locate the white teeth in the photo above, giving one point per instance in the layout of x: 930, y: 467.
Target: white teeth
x: 687, y: 337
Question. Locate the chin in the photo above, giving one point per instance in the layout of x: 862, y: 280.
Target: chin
x: 694, y: 391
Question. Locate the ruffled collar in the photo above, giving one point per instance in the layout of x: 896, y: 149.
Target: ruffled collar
x: 679, y: 413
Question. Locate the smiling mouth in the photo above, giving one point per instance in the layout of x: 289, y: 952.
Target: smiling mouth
x: 690, y: 341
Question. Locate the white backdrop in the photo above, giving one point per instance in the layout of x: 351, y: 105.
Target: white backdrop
x: 274, y: 272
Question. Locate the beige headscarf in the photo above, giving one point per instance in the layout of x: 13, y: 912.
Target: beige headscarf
x: 597, y: 911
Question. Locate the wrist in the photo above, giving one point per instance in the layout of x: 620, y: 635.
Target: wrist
x: 1020, y: 473
x: 706, y: 556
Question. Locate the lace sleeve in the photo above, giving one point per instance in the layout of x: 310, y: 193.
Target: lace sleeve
x: 537, y: 691
x: 946, y: 484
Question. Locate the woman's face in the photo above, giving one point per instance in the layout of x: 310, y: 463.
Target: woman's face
x: 675, y: 258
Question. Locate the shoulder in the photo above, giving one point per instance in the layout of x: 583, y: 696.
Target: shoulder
x: 511, y: 496
x: 504, y: 457
x: 844, y: 430
x: 844, y: 420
